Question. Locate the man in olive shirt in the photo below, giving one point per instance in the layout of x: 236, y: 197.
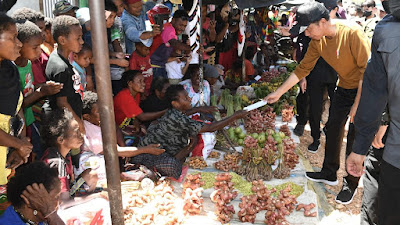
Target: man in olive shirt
x: 346, y: 49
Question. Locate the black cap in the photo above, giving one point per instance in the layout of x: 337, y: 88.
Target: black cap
x: 329, y: 4
x: 306, y: 14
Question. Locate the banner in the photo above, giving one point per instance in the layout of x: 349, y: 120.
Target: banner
x: 241, y: 34
x: 193, y: 30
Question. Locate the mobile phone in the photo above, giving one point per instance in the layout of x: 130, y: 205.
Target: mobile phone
x: 212, y: 16
x: 185, y: 37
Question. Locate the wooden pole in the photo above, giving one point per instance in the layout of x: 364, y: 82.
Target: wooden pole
x: 106, y: 108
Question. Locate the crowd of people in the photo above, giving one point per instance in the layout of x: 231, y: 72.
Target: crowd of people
x: 50, y: 121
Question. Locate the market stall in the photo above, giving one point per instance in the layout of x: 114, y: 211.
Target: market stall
x: 262, y: 182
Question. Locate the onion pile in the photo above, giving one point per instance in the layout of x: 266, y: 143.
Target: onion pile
x: 222, y: 196
x: 258, y: 121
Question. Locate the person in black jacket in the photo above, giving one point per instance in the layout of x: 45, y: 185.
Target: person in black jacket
x: 381, y: 88
x: 6, y: 5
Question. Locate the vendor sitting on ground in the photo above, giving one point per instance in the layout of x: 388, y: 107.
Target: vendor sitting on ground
x: 173, y: 132
x: 126, y: 103
x: 92, y: 148
x: 60, y: 133
x: 191, y: 84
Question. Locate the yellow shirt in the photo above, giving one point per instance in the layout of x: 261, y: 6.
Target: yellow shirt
x: 347, y: 52
x: 5, y: 126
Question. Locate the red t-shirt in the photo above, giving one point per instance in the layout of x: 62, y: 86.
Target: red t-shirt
x: 126, y: 108
x: 137, y: 62
x: 38, y: 69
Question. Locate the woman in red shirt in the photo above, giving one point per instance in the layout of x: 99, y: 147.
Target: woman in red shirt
x: 126, y: 102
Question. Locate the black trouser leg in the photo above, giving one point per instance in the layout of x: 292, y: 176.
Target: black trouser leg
x: 302, y: 108
x: 389, y: 195
x: 351, y: 180
x: 339, y: 110
x: 369, y: 205
x: 316, y: 93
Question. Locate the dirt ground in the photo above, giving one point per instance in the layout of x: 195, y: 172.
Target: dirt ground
x: 316, y: 160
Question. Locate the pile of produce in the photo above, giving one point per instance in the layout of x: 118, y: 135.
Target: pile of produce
x: 263, y: 89
x: 222, y: 196
x: 253, y: 204
x: 239, y: 183
x: 278, y: 203
x: 278, y: 208
x: 197, y: 162
x: 286, y: 130
x: 260, y: 120
x: 270, y: 75
x: 214, y: 155
x: 307, y: 209
x: 230, y: 162
x: 192, y: 191
x: 290, y: 157
x: 236, y: 135
x: 231, y: 103
x: 273, y: 79
x: 287, y: 113
x: 152, y: 205
x: 265, y: 149
x: 249, y: 207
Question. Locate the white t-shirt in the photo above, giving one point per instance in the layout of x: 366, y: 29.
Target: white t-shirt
x: 174, y: 69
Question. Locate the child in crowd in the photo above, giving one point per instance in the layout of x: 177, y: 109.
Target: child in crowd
x: 60, y: 132
x: 174, y: 130
x: 117, y: 57
x: 92, y: 148
x: 118, y: 40
x: 10, y: 99
x: 126, y: 102
x: 31, y: 37
x: 140, y: 60
x: 48, y: 44
x: 39, y: 64
x: 68, y: 34
x: 81, y: 61
x: 176, y: 67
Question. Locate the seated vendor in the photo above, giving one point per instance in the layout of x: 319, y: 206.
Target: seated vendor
x: 191, y: 83
x: 92, y: 148
x: 60, y: 133
x: 233, y: 77
x: 126, y: 102
x: 173, y: 132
